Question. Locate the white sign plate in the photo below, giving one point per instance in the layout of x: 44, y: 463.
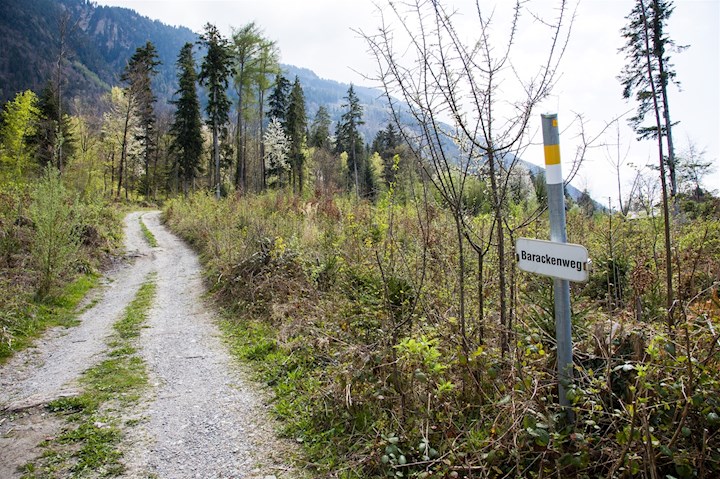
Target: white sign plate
x: 559, y: 260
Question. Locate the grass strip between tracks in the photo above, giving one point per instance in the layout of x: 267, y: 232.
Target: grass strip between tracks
x: 88, y: 445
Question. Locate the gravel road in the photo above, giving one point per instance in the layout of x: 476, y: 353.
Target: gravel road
x: 202, y: 418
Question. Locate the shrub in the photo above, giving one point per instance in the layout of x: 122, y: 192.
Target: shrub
x: 57, y: 238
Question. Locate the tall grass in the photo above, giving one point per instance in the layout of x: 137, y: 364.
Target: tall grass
x: 350, y: 311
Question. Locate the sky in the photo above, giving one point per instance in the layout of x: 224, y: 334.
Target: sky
x: 321, y: 35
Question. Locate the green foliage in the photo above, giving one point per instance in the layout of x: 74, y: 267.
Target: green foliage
x: 214, y: 74
x: 30, y: 238
x: 186, y: 129
x: 296, y: 125
x: 16, y: 130
x: 24, y: 318
x: 139, y: 73
x: 348, y: 310
x: 57, y: 239
x: 147, y: 234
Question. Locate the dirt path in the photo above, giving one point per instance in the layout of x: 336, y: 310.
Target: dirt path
x: 202, y: 420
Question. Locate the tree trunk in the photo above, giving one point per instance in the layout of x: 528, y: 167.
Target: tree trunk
x: 663, y: 181
x: 216, y: 157
x: 497, y: 207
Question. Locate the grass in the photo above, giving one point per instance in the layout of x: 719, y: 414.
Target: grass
x: 30, y: 320
x: 317, y: 302
x: 90, y: 442
x: 149, y: 237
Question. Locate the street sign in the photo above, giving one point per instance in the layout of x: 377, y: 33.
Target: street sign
x: 558, y: 260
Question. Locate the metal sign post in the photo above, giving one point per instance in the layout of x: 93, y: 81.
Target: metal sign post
x: 556, y: 205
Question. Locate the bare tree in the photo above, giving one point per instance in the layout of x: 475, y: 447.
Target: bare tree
x: 439, y: 78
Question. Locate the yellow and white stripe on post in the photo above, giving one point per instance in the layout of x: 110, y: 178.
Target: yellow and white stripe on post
x: 551, y: 140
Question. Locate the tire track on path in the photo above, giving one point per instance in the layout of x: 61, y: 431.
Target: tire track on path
x: 203, y: 418
x: 205, y: 421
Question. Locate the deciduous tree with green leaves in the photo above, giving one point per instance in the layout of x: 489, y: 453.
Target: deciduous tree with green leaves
x: 17, y: 128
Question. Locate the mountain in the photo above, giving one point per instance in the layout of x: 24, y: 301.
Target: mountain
x: 100, y: 40
x: 319, y: 91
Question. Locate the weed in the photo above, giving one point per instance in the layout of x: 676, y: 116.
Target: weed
x: 350, y: 313
x: 147, y: 234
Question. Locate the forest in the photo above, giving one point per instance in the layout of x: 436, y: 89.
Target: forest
x: 373, y: 284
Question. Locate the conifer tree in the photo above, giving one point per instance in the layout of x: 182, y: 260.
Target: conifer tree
x: 186, y: 129
x: 296, y: 124
x: 268, y: 63
x: 348, y: 137
x: 140, y: 71
x: 320, y: 129
x: 214, y: 73
x: 278, y: 100
x: 385, y: 144
x: 245, y: 48
x: 50, y: 136
x: 647, y: 73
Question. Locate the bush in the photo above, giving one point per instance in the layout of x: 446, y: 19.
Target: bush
x: 57, y: 236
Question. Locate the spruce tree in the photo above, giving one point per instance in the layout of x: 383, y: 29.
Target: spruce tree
x: 214, y: 74
x: 278, y: 100
x: 139, y: 73
x: 320, y: 129
x: 50, y: 136
x: 385, y: 144
x: 348, y: 137
x: 186, y: 129
x: 296, y: 124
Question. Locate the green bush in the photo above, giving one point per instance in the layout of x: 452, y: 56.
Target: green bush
x: 57, y: 236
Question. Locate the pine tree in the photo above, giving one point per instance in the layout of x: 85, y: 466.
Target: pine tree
x: 296, y: 125
x: 186, y: 129
x: 139, y: 72
x: 648, y: 72
x: 348, y: 137
x: 214, y: 73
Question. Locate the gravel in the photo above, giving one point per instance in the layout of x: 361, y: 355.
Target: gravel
x: 202, y: 417
x: 206, y: 420
x: 48, y: 370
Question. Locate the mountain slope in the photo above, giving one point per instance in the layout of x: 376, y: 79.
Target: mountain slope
x: 99, y: 41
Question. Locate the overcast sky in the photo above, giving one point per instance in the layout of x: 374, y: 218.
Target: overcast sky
x: 318, y: 34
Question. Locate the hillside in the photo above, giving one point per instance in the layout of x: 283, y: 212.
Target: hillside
x: 100, y: 40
